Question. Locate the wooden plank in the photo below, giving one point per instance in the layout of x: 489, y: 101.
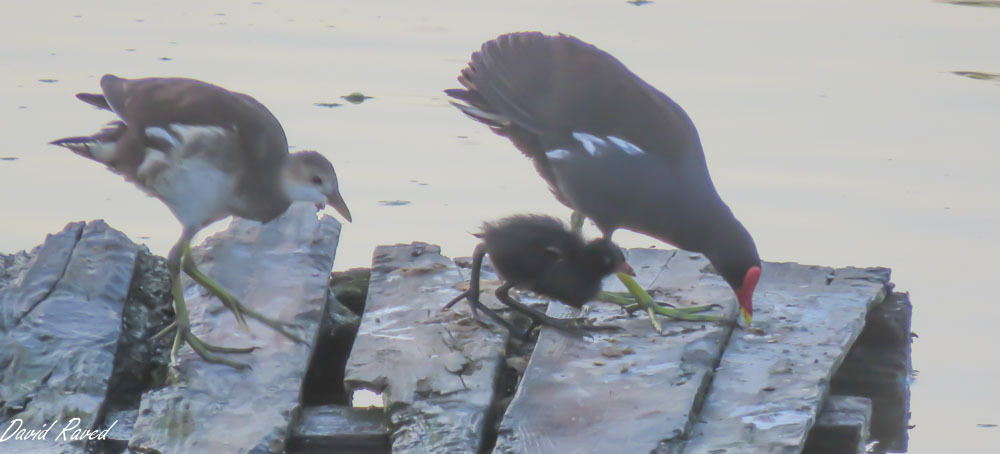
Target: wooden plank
x: 627, y: 391
x: 35, y: 280
x: 140, y: 360
x: 878, y: 367
x: 281, y: 269
x: 841, y: 427
x: 341, y: 430
x: 63, y: 317
x: 774, y: 377
x: 436, y: 369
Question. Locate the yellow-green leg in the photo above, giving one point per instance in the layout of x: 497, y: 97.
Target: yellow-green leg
x: 641, y: 297
x: 627, y: 302
x: 182, y: 323
x: 229, y: 300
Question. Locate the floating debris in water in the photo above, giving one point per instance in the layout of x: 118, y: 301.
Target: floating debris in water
x: 639, y: 2
x: 977, y: 75
x: 980, y: 3
x: 986, y: 425
x: 165, y: 59
x: 9, y: 158
x: 48, y: 81
x: 131, y: 49
x: 393, y: 203
x: 356, y: 98
x: 327, y: 104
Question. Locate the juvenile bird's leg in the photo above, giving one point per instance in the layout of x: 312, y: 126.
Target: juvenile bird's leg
x: 472, y: 296
x: 571, y: 325
x: 230, y: 301
x: 182, y: 324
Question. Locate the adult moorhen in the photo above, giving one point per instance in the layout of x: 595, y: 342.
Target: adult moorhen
x: 611, y: 147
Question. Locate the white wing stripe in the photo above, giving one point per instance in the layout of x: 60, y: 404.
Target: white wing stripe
x: 157, y: 132
x: 190, y: 133
x: 589, y: 142
x: 558, y: 154
x: 626, y: 146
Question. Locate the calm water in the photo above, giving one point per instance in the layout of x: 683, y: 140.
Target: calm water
x: 835, y: 130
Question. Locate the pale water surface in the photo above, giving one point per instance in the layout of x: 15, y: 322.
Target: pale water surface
x: 835, y: 130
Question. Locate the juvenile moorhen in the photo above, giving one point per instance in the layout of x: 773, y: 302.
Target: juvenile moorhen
x: 611, y: 147
x: 537, y: 253
x: 207, y: 153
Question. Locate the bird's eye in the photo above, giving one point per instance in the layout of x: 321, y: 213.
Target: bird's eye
x: 317, y: 180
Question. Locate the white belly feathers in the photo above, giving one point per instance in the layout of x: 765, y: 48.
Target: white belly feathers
x: 189, y: 177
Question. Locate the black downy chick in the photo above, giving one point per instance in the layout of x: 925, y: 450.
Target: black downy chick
x: 537, y: 253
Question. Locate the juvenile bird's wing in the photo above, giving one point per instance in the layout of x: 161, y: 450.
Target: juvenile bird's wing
x: 158, y: 109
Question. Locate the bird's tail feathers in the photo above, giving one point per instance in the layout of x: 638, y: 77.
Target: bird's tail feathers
x: 99, y: 147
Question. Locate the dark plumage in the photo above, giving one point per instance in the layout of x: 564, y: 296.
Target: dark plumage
x: 539, y: 254
x: 610, y: 146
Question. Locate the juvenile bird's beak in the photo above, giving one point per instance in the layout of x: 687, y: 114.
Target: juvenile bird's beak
x: 625, y: 268
x: 337, y: 202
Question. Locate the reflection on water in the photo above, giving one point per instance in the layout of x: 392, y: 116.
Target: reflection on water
x: 835, y: 130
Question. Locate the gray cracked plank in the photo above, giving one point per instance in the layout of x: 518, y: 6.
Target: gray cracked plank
x: 774, y: 377
x: 32, y: 284
x: 627, y: 391
x: 63, y: 317
x: 436, y: 369
x: 841, y: 427
x: 341, y: 430
x: 281, y: 269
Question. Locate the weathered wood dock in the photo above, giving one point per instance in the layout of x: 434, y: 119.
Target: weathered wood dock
x: 824, y: 367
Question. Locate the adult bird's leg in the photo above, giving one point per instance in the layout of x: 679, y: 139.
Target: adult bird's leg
x: 230, y: 301
x: 472, y: 296
x: 642, y: 297
x: 627, y: 302
x: 571, y: 325
x: 182, y: 323
x: 644, y: 300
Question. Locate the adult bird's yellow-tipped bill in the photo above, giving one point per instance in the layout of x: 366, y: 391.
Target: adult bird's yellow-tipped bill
x: 744, y: 295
